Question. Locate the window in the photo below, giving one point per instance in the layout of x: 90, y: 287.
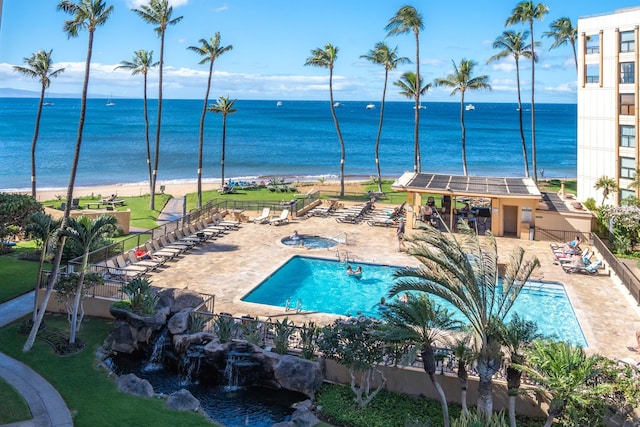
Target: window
x: 627, y: 136
x: 627, y: 41
x: 627, y: 104
x: 627, y: 72
x: 593, y: 44
x: 593, y: 73
x: 626, y: 194
x: 627, y: 167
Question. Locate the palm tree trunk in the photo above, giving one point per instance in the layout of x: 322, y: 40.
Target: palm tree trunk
x: 76, y: 305
x: 512, y: 411
x: 43, y: 255
x: 201, y: 136
x: 462, y: 378
x: 152, y: 203
x: 34, y: 142
x: 335, y: 122
x: 524, y: 145
x: 146, y: 134
x: 224, y: 141
x: 464, y: 135
x: 384, y: 93
x: 534, y: 162
x: 429, y: 364
x: 485, y: 395
x: 416, y: 132
x: 575, y: 54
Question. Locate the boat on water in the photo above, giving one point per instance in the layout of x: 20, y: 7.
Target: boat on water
x: 337, y: 104
x: 47, y: 104
x: 110, y: 103
x: 421, y: 107
x: 470, y: 107
x: 370, y: 106
x: 279, y: 104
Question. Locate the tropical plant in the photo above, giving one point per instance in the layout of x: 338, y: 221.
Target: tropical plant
x: 525, y: 12
x: 563, y: 371
x: 563, y: 32
x: 383, y: 55
x: 607, y: 185
x: 224, y: 107
x: 354, y: 343
x: 67, y: 290
x: 516, y: 336
x: 635, y: 183
x: 464, y: 271
x: 464, y: 356
x: 252, y: 331
x: 421, y: 323
x: 83, y: 231
x: 282, y: 330
x: 515, y: 44
x: 408, y: 85
x: 476, y: 418
x: 462, y: 80
x: 625, y: 222
x: 15, y: 212
x: 141, y: 64
x: 224, y: 327
x: 408, y: 19
x: 158, y: 13
x: 326, y: 58
x: 141, y: 294
x: 41, y: 227
x: 209, y: 50
x: 39, y: 66
x: 308, y: 337
x: 196, y: 323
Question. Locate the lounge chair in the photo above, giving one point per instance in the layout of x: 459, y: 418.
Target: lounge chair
x: 592, y: 268
x: 151, y: 264
x: 282, y: 219
x: 181, y: 246
x: 153, y: 247
x: 124, y: 265
x: 263, y: 217
x: 174, y: 240
x: 121, y: 274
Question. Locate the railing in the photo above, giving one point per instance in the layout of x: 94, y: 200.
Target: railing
x: 628, y: 278
x: 543, y: 235
x: 340, y: 237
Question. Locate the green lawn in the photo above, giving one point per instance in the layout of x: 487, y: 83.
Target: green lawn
x: 554, y: 185
x: 89, y: 391
x: 13, y: 408
x: 17, y: 276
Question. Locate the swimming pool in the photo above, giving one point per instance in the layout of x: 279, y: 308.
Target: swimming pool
x: 322, y: 285
x: 310, y: 242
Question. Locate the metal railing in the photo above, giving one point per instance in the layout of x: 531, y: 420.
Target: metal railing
x: 560, y: 236
x: 628, y: 278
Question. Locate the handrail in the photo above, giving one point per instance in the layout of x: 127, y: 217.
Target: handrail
x: 626, y: 275
x: 337, y: 237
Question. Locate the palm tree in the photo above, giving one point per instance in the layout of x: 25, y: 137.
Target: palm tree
x: 89, y: 14
x: 514, y: 44
x: 462, y: 80
x: 607, y: 185
x: 464, y: 272
x: 210, y: 51
x: 563, y: 32
x: 141, y: 64
x: 562, y: 370
x: 635, y: 183
x: 464, y: 355
x: 408, y: 85
x: 83, y: 231
x: 422, y: 323
x: 408, y: 19
x: 326, y: 58
x: 516, y: 336
x: 383, y: 55
x: 224, y: 107
x: 39, y: 66
x: 526, y: 12
x: 158, y: 13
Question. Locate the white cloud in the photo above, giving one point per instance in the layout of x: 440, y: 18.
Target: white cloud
x: 134, y: 4
x: 568, y: 87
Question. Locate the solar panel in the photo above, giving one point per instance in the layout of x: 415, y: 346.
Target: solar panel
x: 472, y: 184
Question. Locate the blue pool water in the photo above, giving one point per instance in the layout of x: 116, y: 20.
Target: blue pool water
x: 322, y: 285
x: 310, y: 242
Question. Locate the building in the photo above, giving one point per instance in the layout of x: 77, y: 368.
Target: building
x: 608, y: 90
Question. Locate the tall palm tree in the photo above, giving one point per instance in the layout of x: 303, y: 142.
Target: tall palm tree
x: 422, y: 323
x: 462, y: 80
x: 89, y: 15
x: 39, y: 66
x: 41, y: 227
x: 326, y: 58
x: 525, y: 12
x: 210, y: 51
x: 141, y: 64
x: 464, y: 272
x: 408, y: 19
x: 408, y: 85
x: 224, y: 107
x: 158, y: 13
x: 383, y: 55
x: 562, y: 370
x: 83, y: 231
x: 607, y: 185
x: 516, y: 336
x: 563, y: 32
x: 515, y: 44
x: 464, y: 356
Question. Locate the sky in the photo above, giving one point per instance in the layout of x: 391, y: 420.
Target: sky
x: 272, y: 39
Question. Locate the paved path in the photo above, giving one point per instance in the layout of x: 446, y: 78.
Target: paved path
x: 16, y: 308
x: 171, y: 211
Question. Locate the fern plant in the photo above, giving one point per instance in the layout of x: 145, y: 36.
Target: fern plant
x: 224, y: 327
x: 282, y: 332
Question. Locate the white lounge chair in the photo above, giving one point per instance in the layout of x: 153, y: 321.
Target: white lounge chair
x: 282, y: 219
x: 264, y: 216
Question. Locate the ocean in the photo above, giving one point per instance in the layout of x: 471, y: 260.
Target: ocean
x: 295, y: 140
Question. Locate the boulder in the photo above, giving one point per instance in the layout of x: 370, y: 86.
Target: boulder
x: 183, y: 400
x: 179, y: 322
x: 135, y: 386
x: 304, y: 417
x: 182, y: 342
x: 121, y: 339
x: 297, y: 374
x: 178, y: 299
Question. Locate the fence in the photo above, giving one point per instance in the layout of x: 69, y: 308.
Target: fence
x: 543, y: 235
x: 628, y: 278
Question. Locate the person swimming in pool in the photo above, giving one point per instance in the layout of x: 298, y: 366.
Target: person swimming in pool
x: 295, y: 235
x: 349, y: 270
x: 358, y: 271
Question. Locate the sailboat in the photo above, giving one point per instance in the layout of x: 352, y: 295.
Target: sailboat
x: 47, y: 103
x: 110, y: 103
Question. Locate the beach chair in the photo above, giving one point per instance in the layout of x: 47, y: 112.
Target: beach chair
x: 282, y: 219
x: 124, y: 265
x: 151, y: 264
x: 263, y: 217
x: 591, y: 269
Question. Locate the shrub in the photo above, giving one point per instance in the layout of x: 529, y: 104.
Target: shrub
x: 282, y: 332
x: 224, y: 327
x: 308, y: 336
x: 142, y: 295
x: 196, y: 323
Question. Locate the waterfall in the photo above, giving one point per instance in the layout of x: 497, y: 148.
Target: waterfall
x: 155, y: 360
x: 240, y: 368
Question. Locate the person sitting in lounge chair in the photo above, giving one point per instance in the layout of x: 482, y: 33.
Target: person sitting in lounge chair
x: 141, y: 254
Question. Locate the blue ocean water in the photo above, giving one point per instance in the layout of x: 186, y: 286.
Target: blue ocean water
x: 297, y: 139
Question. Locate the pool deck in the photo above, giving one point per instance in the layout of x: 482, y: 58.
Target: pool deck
x: 232, y: 266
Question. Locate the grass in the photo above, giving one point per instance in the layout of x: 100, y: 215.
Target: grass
x: 89, y: 391
x: 13, y: 408
x: 17, y: 276
x: 554, y: 185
